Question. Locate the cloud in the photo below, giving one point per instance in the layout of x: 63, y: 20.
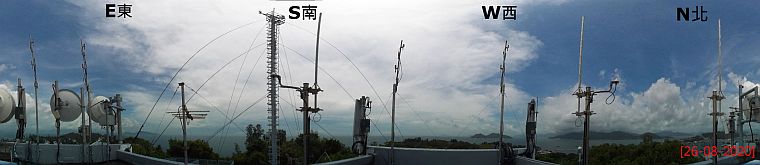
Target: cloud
x: 631, y: 115
x: 448, y: 62
x: 664, y: 106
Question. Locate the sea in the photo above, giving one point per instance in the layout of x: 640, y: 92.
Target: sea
x: 227, y: 148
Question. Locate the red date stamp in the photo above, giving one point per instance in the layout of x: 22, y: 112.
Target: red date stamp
x: 726, y: 151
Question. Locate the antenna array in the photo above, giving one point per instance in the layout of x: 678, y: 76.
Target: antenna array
x: 183, y: 114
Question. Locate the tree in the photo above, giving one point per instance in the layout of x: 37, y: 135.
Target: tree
x: 290, y: 151
x: 197, y: 149
x: 255, y: 145
x: 143, y: 147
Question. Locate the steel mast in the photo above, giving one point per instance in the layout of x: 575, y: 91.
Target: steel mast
x: 716, y: 97
x: 501, y: 90
x: 274, y: 20
x: 36, y: 100
x: 393, y: 105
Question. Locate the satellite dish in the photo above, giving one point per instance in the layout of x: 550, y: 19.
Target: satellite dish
x: 70, y: 107
x: 99, y: 111
x: 753, y: 102
x: 7, y: 106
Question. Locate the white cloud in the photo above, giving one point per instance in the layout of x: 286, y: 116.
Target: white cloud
x: 663, y: 106
x: 446, y: 60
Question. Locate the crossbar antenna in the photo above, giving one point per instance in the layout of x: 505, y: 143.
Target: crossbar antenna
x: 183, y: 114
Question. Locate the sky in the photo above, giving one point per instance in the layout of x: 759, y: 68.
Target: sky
x: 450, y: 74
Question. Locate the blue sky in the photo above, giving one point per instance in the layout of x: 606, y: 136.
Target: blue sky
x: 451, y: 59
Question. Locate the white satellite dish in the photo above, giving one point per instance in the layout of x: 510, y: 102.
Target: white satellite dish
x: 751, y: 101
x: 70, y: 107
x: 99, y: 111
x: 7, y: 106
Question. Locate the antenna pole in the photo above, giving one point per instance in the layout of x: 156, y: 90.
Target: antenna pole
x: 393, y: 105
x: 20, y: 112
x: 87, y: 90
x: 716, y: 98
x: 740, y: 116
x: 316, y: 59
x: 720, y: 59
x: 580, y: 65
x: 580, y: 93
x: 588, y: 94
x: 501, y: 90
x: 82, y: 128
x: 36, y: 100
x: 117, y: 98
x: 183, y: 116
x: 57, y: 115
x: 274, y: 20
x: 304, y: 91
x: 306, y: 122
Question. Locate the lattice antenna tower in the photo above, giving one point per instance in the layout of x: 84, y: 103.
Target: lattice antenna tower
x: 274, y: 21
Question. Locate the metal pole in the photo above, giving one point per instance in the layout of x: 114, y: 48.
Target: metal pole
x: 393, y: 105
x: 36, y: 99
x: 720, y: 68
x: 84, y: 130
x: 580, y: 66
x: 305, y: 91
x: 587, y: 114
x: 20, y: 112
x: 316, y: 60
x: 715, y: 97
x: 306, y: 121
x: 56, y: 109
x: 501, y: 90
x: 740, y: 115
x: 183, y: 117
x: 118, y: 117
x: 87, y: 89
x: 580, y: 93
x: 274, y: 21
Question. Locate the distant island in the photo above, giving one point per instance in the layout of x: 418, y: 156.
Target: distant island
x: 492, y: 135
x: 674, y: 134
x: 615, y: 135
